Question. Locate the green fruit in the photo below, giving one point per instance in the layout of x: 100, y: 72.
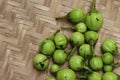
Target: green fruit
x: 80, y: 27
x: 51, y: 78
x: 91, y: 37
x: 47, y: 47
x: 41, y: 62
x: 95, y: 76
x: 110, y: 76
x: 76, y: 15
x: 54, y: 68
x: 60, y: 41
x: 96, y: 63
x: 77, y: 38
x: 94, y: 19
x: 59, y: 56
x: 107, y: 68
x: 85, y: 50
x: 109, y: 45
x: 66, y: 74
x: 76, y: 63
x: 107, y: 58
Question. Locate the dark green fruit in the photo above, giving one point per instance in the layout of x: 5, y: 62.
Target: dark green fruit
x: 47, y: 47
x: 60, y: 41
x: 59, y: 56
x: 41, y: 62
x: 110, y: 76
x: 66, y: 74
x: 96, y: 63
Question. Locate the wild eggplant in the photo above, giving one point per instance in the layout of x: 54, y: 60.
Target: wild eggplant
x: 94, y: 18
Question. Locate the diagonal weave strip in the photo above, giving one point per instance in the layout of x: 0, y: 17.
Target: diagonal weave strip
x: 24, y: 23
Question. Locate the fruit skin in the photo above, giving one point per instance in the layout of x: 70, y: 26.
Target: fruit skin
x: 91, y: 37
x: 95, y: 76
x: 59, y: 56
x: 77, y: 38
x: 85, y: 50
x: 41, y: 62
x: 107, y: 68
x: 54, y: 68
x: 51, y: 78
x: 109, y: 45
x: 76, y: 15
x: 66, y: 74
x: 60, y: 41
x: 80, y: 27
x: 96, y: 63
x: 107, y: 58
x: 47, y: 47
x: 76, y: 62
x: 110, y: 76
x: 94, y: 21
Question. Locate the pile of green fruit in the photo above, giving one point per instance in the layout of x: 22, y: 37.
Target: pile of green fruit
x: 86, y: 64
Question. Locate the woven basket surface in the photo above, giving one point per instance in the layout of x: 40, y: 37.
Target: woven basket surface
x: 25, y: 23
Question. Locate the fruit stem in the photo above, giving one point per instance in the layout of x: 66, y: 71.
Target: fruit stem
x: 71, y: 53
x: 117, y: 64
x: 87, y: 68
x: 53, y: 35
x: 61, y: 17
x: 66, y: 28
x: 92, y: 46
x: 82, y: 77
x: 117, y: 52
x: 93, y: 9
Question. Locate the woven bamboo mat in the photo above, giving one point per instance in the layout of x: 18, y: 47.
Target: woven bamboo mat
x: 24, y: 23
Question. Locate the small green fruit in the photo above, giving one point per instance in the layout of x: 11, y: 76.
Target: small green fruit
x: 41, y: 62
x: 47, y: 47
x: 54, y: 68
x: 59, y: 56
x: 66, y: 74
